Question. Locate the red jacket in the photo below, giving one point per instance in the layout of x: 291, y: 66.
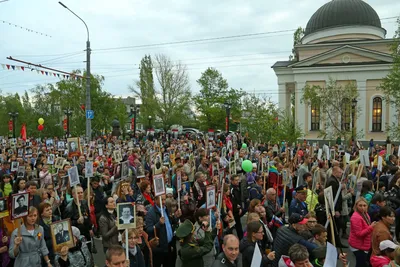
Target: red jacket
x: 360, y: 232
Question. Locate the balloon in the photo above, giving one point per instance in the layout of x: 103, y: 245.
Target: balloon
x: 247, y: 166
x: 244, y: 145
x: 41, y: 121
x: 40, y: 127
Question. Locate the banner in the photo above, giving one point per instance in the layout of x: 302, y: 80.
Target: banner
x: 47, y: 73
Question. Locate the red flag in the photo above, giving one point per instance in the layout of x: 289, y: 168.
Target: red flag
x: 23, y: 132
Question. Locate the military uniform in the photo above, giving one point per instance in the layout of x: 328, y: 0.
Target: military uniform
x: 297, y: 206
x: 192, y: 253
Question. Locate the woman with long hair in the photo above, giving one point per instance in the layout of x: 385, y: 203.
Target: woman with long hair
x: 360, y: 232
x: 6, y: 185
x: 367, y: 190
x: 124, y: 192
x: 255, y: 234
x: 145, y: 200
x: 19, y: 185
x: 46, y: 218
x: 28, y: 245
x: 107, y: 225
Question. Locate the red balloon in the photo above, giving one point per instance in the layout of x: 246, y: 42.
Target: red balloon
x: 40, y: 127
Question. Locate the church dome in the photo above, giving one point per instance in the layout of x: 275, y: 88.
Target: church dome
x: 338, y: 13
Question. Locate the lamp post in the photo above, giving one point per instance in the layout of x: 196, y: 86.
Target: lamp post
x: 88, y: 101
x: 150, y: 118
x: 134, y: 111
x: 353, y: 117
x: 68, y: 113
x: 228, y: 112
x: 13, y: 116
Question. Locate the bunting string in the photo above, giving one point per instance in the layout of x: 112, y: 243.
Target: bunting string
x: 24, y: 28
x: 38, y: 71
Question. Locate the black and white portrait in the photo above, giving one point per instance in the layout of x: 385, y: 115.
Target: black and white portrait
x: 61, y: 234
x: 3, y: 204
x: 117, y: 155
x: 159, y: 186
x: 20, y: 152
x: 139, y: 170
x: 21, y: 171
x: 73, y: 176
x: 20, y: 204
x: 117, y: 171
x: 126, y: 215
x: 60, y: 145
x: 28, y: 152
x: 89, y: 169
x: 59, y: 162
x: 210, y: 196
x: 49, y: 142
x: 50, y: 159
x: 125, y: 169
x: 14, y: 166
x: 158, y: 164
x: 74, y: 149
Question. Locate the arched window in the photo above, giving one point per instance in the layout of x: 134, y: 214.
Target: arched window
x: 377, y: 114
x: 346, y: 114
x: 315, y: 117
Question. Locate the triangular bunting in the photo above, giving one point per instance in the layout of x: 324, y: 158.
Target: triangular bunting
x: 23, y: 68
x: 67, y: 76
x: 58, y: 75
x: 8, y: 66
x: 42, y: 72
x: 54, y: 74
x: 13, y: 67
x: 46, y: 73
x: 3, y: 66
x: 18, y: 68
x: 37, y: 71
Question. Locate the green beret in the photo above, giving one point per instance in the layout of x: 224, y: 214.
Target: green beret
x: 185, y: 229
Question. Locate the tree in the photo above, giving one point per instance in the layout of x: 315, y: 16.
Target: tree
x: 264, y: 122
x: 391, y: 84
x: 213, y: 94
x: 297, y: 36
x: 334, y: 102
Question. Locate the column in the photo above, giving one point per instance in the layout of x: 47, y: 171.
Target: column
x: 284, y: 95
x: 362, y: 118
x: 300, y: 107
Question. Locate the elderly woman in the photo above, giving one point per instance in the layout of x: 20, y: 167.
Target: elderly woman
x: 28, y: 247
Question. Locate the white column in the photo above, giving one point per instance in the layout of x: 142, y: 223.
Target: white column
x: 283, y: 97
x: 363, y: 118
x: 300, y: 107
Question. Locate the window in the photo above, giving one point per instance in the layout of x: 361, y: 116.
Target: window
x: 346, y: 114
x: 377, y: 114
x: 315, y: 117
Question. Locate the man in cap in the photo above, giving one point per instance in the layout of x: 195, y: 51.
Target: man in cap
x: 289, y: 235
x: 191, y: 253
x: 298, y: 204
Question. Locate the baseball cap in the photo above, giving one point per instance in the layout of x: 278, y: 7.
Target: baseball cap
x: 297, y: 218
x: 387, y: 244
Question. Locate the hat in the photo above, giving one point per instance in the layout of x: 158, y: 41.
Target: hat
x: 169, y: 190
x: 76, y: 232
x: 254, y: 165
x: 297, y: 218
x: 185, y: 229
x: 387, y: 244
x: 301, y: 189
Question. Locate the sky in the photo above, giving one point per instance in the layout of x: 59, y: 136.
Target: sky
x: 123, y: 31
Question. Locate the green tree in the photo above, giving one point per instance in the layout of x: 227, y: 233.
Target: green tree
x: 334, y: 103
x: 391, y: 84
x: 297, y: 36
x: 210, y: 101
x: 289, y: 129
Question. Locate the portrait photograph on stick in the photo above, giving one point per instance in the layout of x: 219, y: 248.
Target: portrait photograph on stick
x: 61, y: 234
x: 126, y: 215
x: 210, y: 195
x: 59, y: 162
x: 73, y: 176
x: 124, y: 169
x: 20, y: 205
x: 74, y: 149
x: 159, y: 186
x: 3, y: 208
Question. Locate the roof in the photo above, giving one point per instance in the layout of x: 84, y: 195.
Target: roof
x: 282, y: 64
x: 343, y: 13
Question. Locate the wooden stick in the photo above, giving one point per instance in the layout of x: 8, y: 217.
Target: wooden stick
x: 19, y: 227
x: 126, y: 244
x: 155, y: 232
x: 78, y: 203
x: 161, y: 207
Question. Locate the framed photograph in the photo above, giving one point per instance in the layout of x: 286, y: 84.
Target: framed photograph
x: 73, y: 176
x: 117, y: 155
x: 159, y: 186
x: 126, y: 215
x: 49, y: 142
x: 117, y: 171
x: 264, y: 165
x: 124, y: 169
x: 232, y: 167
x: 74, y: 149
x: 139, y: 170
x: 21, y: 171
x: 179, y: 181
x: 157, y: 164
x: 64, y: 183
x: 20, y: 153
x: 61, y: 234
x: 89, y: 169
x: 59, y: 162
x: 229, y: 146
x: 14, y: 166
x: 20, y: 205
x: 285, y: 176
x: 28, y: 152
x: 61, y: 145
x: 210, y: 196
x: 50, y: 159
x: 329, y: 204
x: 3, y: 208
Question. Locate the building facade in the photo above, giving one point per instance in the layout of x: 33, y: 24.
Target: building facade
x: 343, y: 41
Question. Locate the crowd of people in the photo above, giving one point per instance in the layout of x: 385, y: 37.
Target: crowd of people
x: 289, y: 208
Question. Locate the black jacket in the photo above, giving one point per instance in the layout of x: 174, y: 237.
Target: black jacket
x: 236, y: 200
x: 137, y: 260
x: 153, y: 219
x: 285, y: 238
x: 247, y: 249
x: 222, y: 261
x: 71, y: 211
x: 332, y: 181
x: 47, y: 236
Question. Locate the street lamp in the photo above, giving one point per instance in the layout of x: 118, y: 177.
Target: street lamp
x: 88, y: 102
x: 134, y: 111
x: 228, y: 112
x: 353, y: 115
x: 13, y: 116
x: 150, y: 118
x: 68, y: 113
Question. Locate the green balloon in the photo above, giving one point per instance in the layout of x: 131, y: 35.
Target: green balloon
x: 247, y: 166
x: 244, y: 145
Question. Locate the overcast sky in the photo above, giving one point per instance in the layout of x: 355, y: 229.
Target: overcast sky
x: 245, y: 62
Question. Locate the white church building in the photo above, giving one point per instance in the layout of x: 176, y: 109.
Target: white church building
x: 344, y: 41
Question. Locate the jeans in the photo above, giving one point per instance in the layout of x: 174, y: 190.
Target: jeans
x: 361, y: 258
